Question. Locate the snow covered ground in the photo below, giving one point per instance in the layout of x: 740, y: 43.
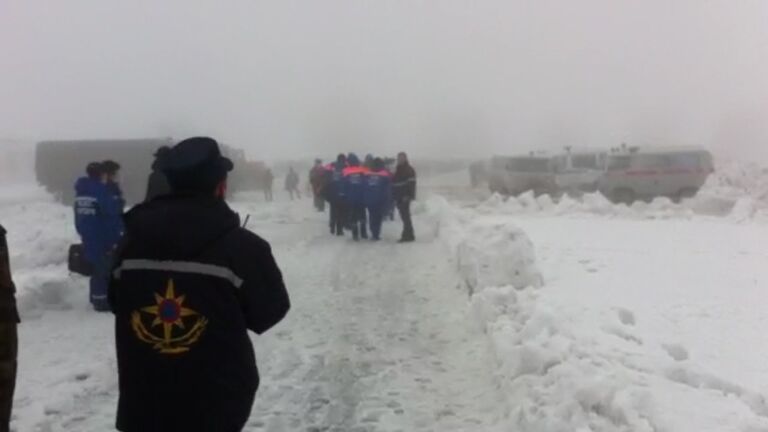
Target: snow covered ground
x: 520, y: 315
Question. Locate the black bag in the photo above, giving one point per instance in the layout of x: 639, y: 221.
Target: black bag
x: 77, y: 262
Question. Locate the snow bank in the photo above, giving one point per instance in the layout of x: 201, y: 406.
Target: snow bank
x: 487, y: 252
x: 565, y: 368
x: 40, y: 232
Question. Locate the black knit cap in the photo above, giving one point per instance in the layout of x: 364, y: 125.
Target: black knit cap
x: 195, y: 165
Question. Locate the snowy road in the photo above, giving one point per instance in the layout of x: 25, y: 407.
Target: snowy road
x: 650, y: 320
x: 379, y: 339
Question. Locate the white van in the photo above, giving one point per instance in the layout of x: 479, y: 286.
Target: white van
x: 634, y: 173
x: 579, y: 171
x: 572, y: 172
x: 515, y: 175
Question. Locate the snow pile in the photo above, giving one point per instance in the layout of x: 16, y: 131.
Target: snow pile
x: 40, y: 232
x: 736, y: 180
x: 567, y: 368
x: 488, y: 252
x: 589, y: 204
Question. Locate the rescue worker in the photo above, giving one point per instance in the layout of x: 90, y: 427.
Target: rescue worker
x: 115, y: 228
x: 377, y: 195
x: 354, y: 176
x: 9, y: 319
x: 189, y: 283
x: 96, y: 219
x: 157, y: 184
x: 292, y: 183
x: 317, y: 181
x: 112, y: 171
x: 334, y: 193
x: 404, y: 192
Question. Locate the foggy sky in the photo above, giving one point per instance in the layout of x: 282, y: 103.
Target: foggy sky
x: 286, y: 78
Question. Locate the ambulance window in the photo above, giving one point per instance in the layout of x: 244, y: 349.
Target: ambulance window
x: 584, y: 161
x: 688, y: 160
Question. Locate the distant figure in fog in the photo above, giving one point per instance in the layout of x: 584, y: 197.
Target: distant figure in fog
x: 267, y: 183
x: 317, y: 180
x: 292, y: 183
x: 157, y: 184
x: 404, y: 192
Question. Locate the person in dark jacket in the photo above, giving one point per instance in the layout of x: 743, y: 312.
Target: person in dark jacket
x: 111, y: 171
x: 377, y: 194
x: 157, y: 184
x: 9, y: 319
x: 292, y: 183
x: 354, y: 185
x: 317, y: 180
x: 189, y: 283
x: 97, y: 220
x: 404, y: 192
x: 334, y: 193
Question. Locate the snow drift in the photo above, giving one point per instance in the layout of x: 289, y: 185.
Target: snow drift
x: 566, y: 368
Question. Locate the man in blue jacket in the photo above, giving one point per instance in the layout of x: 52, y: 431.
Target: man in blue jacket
x: 95, y: 214
x: 354, y: 176
x: 377, y: 195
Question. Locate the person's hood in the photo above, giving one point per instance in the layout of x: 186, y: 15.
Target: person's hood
x: 180, y: 226
x: 353, y: 160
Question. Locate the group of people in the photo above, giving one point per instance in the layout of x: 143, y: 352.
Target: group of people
x: 186, y: 283
x: 361, y: 194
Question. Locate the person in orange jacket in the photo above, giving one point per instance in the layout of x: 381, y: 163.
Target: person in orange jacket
x: 354, y: 193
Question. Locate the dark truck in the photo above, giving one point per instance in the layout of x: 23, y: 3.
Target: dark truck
x: 58, y: 164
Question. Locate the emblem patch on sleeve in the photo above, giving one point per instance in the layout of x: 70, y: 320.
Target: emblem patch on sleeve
x: 174, y: 329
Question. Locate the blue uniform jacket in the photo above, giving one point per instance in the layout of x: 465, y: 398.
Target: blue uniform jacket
x: 335, y: 180
x: 378, y: 190
x: 95, y: 218
x: 354, y: 185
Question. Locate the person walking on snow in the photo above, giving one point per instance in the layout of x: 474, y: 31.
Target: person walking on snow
x: 377, y: 195
x: 404, y: 192
x: 354, y: 184
x: 98, y: 222
x: 9, y: 320
x: 292, y: 183
x: 334, y: 193
x: 317, y: 181
x: 189, y: 283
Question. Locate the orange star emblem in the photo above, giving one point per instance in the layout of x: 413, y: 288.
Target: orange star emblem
x: 169, y: 313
